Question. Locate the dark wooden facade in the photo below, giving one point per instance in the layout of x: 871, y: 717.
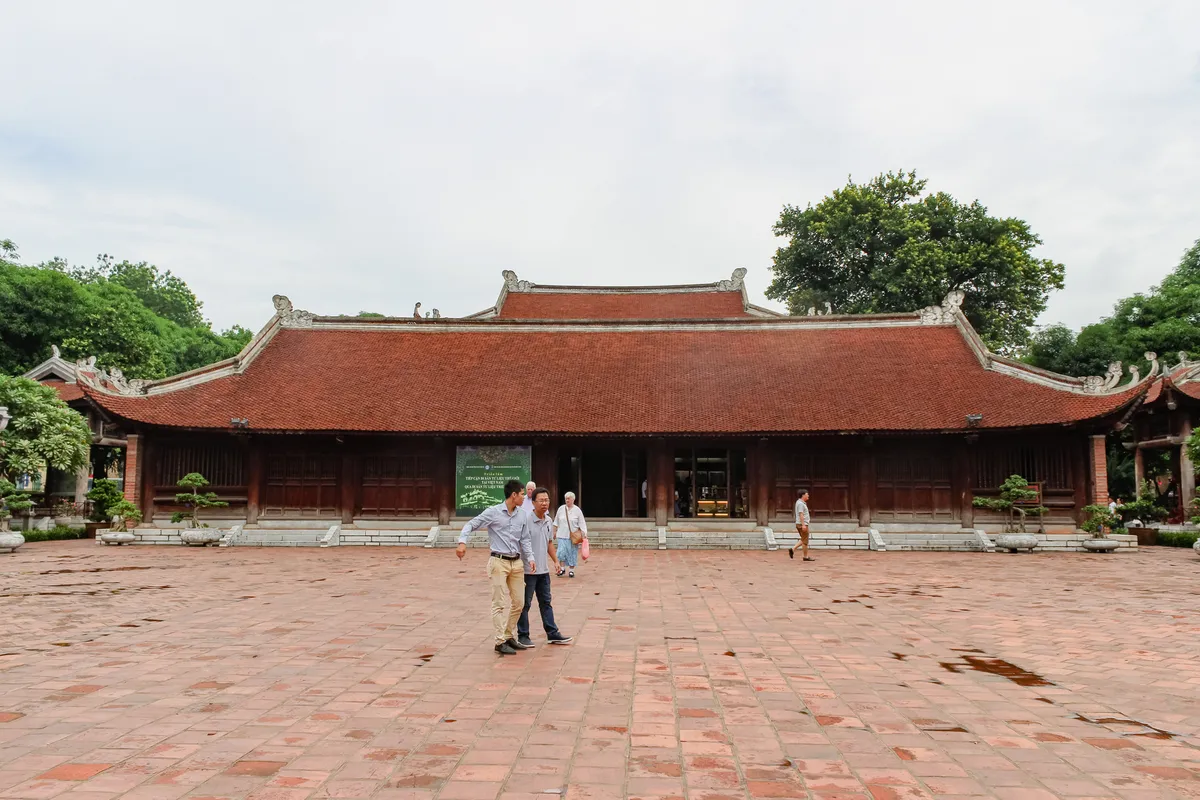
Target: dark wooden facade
x: 861, y: 480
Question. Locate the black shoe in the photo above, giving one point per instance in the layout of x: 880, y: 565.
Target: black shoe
x: 791, y: 552
x: 515, y: 645
x: 505, y: 649
x: 525, y: 643
x: 560, y: 639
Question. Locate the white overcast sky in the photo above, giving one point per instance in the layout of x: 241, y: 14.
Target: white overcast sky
x: 367, y: 155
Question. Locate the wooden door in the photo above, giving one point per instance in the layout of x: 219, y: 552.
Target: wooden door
x: 397, y: 485
x: 302, y: 484
x: 913, y: 484
x: 828, y: 477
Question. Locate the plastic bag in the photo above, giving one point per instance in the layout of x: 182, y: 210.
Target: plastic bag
x: 584, y: 549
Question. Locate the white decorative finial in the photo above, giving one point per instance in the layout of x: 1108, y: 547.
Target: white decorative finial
x: 734, y: 283
x: 55, y: 351
x: 4, y: 418
x: 417, y: 311
x: 514, y: 284
x: 946, y: 313
x: 282, y: 304
x: 289, y: 316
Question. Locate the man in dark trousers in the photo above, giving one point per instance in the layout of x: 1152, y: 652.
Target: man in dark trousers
x: 537, y: 582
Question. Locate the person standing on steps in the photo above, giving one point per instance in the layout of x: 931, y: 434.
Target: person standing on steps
x: 510, y: 539
x: 802, y: 520
x: 569, y: 529
x: 538, y: 581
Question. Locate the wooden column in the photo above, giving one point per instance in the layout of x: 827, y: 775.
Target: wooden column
x: 866, y: 482
x: 254, y: 480
x: 1139, y: 471
x: 349, y: 485
x: 763, y: 474
x: 1079, y: 478
x: 963, y: 478
x: 661, y: 494
x: 1187, y: 471
x: 1098, y: 463
x: 545, y: 469
x: 443, y: 479
x: 145, y: 478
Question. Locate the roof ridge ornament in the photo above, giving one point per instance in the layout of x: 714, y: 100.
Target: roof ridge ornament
x: 1095, y: 384
x: 290, y: 316
x: 113, y: 381
x: 513, y: 284
x: 734, y: 283
x: 947, y: 312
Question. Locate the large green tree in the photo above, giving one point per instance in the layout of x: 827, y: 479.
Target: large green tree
x: 43, y: 430
x: 1164, y: 320
x: 98, y: 313
x: 886, y: 245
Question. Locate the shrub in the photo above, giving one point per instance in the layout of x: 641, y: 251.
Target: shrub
x: 104, y: 495
x: 12, y: 500
x: 55, y: 534
x: 1099, y: 519
x: 128, y: 512
x: 1013, y: 492
x: 1177, y: 538
x: 194, y: 500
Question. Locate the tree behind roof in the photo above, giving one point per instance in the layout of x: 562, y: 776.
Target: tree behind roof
x: 885, y: 246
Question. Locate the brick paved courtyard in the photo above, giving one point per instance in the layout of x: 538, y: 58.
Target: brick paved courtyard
x: 354, y: 673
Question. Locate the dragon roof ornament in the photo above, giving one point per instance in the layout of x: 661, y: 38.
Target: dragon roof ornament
x: 947, y: 312
x: 1097, y: 384
x: 735, y: 282
x: 289, y: 316
x: 514, y: 284
x: 112, y: 381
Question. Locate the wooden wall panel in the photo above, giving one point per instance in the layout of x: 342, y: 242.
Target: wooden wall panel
x: 827, y: 473
x: 913, y: 482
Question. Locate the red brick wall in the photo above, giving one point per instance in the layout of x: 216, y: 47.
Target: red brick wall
x: 133, y: 473
x: 1099, y: 463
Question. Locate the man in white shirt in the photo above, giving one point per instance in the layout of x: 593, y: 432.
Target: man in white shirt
x: 802, y: 520
x: 527, y: 503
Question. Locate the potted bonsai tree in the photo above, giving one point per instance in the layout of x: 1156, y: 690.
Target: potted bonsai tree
x: 194, y: 500
x: 1098, y: 523
x: 64, y: 513
x: 1016, y: 501
x: 11, y: 501
x: 125, y: 515
x: 104, y: 495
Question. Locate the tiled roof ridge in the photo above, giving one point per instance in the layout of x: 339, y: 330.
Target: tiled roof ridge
x: 948, y: 314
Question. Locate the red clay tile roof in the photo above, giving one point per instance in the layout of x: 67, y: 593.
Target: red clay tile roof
x: 66, y: 391
x: 623, y: 305
x: 698, y: 378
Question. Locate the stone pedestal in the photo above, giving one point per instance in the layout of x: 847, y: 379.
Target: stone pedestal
x: 200, y: 537
x: 115, y: 537
x: 1100, y: 545
x: 1012, y: 542
x: 10, y: 541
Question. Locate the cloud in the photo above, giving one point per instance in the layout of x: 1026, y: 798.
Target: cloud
x: 371, y: 156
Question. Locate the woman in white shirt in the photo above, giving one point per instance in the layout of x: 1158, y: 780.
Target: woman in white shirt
x: 568, y: 519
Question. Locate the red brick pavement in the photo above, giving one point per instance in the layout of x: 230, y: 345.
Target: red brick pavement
x: 284, y: 674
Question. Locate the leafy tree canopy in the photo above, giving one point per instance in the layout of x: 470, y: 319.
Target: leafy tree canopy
x: 1165, y: 320
x: 113, y: 312
x: 886, y: 246
x: 43, y: 430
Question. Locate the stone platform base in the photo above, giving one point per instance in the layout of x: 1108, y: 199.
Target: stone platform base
x: 628, y: 535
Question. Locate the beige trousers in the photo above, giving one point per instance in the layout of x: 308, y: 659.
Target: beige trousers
x: 508, y: 596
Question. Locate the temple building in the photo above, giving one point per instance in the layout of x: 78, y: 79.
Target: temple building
x: 1162, y: 423
x: 662, y: 407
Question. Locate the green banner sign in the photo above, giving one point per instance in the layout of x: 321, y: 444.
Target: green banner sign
x: 481, y: 472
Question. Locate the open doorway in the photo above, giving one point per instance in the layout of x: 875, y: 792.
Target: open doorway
x: 608, y: 481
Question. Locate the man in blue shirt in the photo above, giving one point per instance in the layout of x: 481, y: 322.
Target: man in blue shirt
x: 509, y: 539
x: 537, y: 581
